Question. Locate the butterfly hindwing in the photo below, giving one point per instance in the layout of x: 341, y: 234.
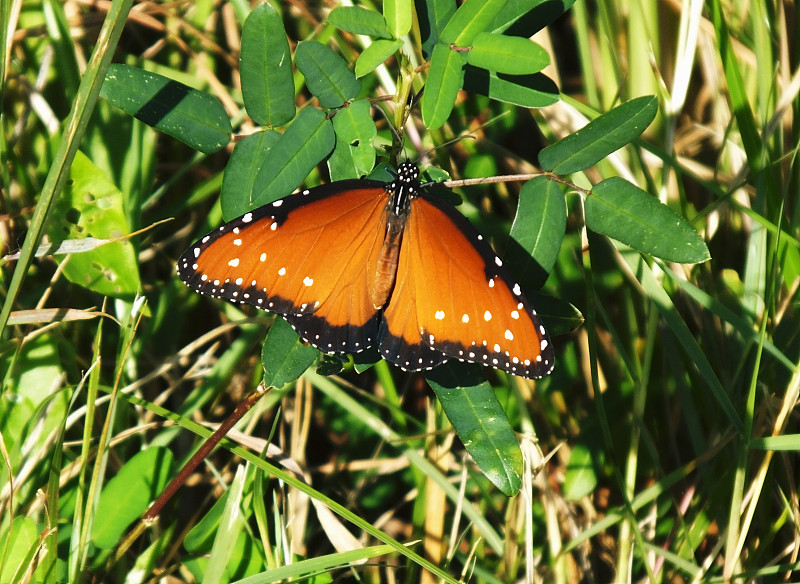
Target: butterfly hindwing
x: 306, y: 257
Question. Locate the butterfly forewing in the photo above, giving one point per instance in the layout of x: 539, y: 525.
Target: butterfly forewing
x: 479, y: 316
x: 306, y: 257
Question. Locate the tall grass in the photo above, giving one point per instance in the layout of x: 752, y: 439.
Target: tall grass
x: 662, y: 449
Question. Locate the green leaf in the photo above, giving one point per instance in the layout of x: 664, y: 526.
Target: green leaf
x: 524, y: 18
x: 327, y: 75
x: 341, y: 164
x: 193, y: 117
x: 783, y: 443
x: 355, y: 130
x: 624, y: 212
x: 300, y: 148
x: 238, y: 182
x: 91, y: 206
x: 535, y: 90
x: 265, y: 66
x: 580, y: 479
x: 559, y: 316
x: 398, y: 16
x: 471, y: 18
x: 21, y: 540
x: 537, y: 231
x: 600, y: 137
x: 375, y: 54
x: 284, y: 356
x: 310, y: 568
x: 507, y: 54
x: 127, y: 496
x: 200, y: 538
x: 445, y: 78
x: 358, y: 20
x: 433, y: 16
x: 469, y: 402
x: 231, y: 524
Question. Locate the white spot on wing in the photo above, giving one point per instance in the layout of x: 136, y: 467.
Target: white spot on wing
x: 465, y: 318
x: 439, y: 315
x: 487, y: 316
x: 263, y: 257
x: 308, y: 281
x: 234, y: 262
x: 282, y: 272
x: 237, y: 242
x: 509, y: 335
x: 247, y: 218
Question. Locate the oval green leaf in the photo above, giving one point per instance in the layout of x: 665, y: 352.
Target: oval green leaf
x: 357, y: 20
x: 239, y: 180
x: 375, y: 55
x: 624, y: 212
x: 537, y: 231
x: 193, y: 117
x: 126, y: 496
x: 300, y: 148
x: 533, y: 91
x: 471, y: 18
x: 92, y: 207
x: 600, y: 137
x: 507, y: 54
x: 445, y: 78
x: 469, y: 402
x: 398, y: 16
x: 284, y: 356
x: 327, y: 75
x: 355, y: 130
x: 265, y: 65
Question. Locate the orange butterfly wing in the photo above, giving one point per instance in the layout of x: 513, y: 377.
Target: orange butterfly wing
x: 309, y: 257
x: 454, y: 298
x: 319, y: 259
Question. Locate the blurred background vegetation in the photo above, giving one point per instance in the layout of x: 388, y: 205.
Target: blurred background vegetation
x: 669, y: 425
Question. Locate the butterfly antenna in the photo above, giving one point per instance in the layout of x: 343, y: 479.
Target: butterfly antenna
x: 424, y: 156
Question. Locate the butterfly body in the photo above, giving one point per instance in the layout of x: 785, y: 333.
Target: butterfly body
x: 359, y: 263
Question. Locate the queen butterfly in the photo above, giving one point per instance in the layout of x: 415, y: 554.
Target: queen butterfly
x: 356, y: 263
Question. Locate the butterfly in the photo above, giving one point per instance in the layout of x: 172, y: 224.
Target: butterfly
x: 360, y: 263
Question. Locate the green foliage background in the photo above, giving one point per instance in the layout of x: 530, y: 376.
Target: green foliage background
x: 660, y: 449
